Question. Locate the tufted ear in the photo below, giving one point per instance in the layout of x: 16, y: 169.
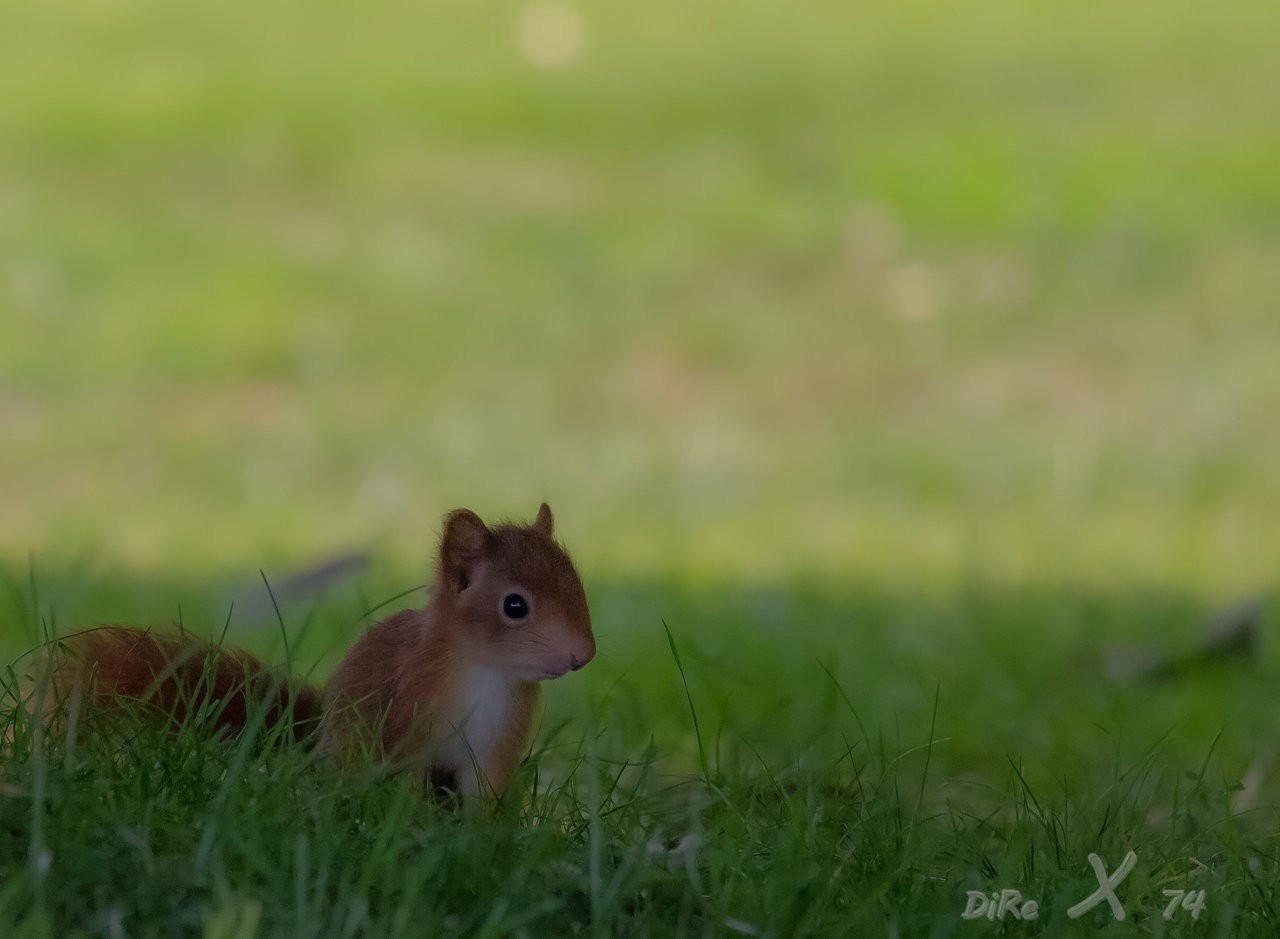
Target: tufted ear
x: 465, y: 542
x: 544, y: 521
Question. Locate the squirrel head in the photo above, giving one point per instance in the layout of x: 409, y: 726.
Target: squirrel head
x: 513, y: 596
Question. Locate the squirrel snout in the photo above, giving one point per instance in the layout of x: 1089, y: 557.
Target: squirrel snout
x: 582, y: 655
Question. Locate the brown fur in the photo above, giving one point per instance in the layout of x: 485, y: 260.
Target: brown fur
x: 180, y: 677
x: 447, y: 691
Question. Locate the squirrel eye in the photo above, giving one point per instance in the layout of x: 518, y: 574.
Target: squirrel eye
x: 515, y: 606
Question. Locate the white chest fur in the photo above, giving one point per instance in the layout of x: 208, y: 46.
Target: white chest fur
x: 476, y: 719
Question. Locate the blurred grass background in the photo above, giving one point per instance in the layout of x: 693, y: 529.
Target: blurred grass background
x: 933, y: 341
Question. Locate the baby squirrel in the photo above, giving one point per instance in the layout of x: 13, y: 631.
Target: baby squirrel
x: 447, y: 691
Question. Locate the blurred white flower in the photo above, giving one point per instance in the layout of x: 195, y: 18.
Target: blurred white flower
x: 550, y: 34
x: 685, y: 850
x: 915, y: 291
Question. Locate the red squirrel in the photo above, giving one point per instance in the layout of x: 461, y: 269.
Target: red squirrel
x: 447, y: 691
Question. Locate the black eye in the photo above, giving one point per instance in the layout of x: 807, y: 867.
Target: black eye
x: 515, y: 606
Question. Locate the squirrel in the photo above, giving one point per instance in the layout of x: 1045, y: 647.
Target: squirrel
x: 447, y: 692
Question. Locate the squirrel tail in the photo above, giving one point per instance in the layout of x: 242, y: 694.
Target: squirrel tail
x: 181, y: 678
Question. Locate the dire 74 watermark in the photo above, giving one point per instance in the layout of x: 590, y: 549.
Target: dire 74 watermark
x: 1011, y: 903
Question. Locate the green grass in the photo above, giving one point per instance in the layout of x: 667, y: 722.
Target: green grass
x: 699, y: 781
x: 897, y: 365
x: 139, y: 831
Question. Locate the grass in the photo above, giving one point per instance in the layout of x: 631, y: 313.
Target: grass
x: 690, y: 789
x: 141, y: 831
x: 888, y: 370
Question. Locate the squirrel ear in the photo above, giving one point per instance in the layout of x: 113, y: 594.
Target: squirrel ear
x: 544, y: 521
x: 465, y: 541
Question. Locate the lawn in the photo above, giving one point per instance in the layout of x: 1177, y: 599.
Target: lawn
x: 893, y: 373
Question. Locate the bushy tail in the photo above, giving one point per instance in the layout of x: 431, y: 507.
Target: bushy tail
x: 179, y: 678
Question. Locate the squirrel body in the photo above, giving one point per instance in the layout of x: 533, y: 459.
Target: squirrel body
x: 447, y: 692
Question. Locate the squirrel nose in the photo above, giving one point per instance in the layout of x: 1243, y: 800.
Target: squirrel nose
x: 584, y: 653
